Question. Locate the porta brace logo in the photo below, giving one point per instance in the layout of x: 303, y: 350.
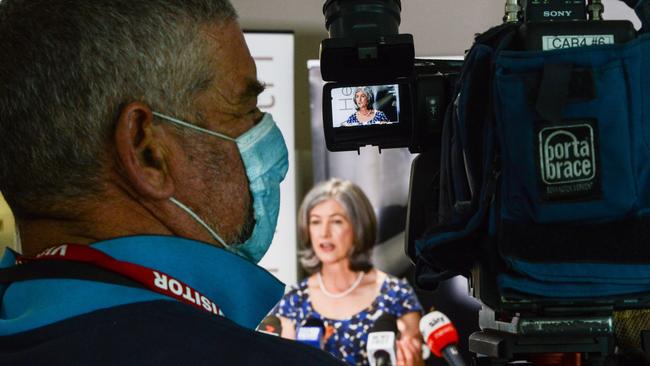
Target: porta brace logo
x: 567, y: 154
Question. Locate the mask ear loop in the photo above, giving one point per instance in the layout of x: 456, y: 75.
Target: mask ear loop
x: 177, y: 202
x: 189, y: 125
x: 200, y: 221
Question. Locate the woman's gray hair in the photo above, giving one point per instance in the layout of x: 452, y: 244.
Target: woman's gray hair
x: 359, y: 212
x: 369, y: 95
x: 69, y: 66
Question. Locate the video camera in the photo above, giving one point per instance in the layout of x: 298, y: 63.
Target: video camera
x: 546, y: 123
x: 366, y: 54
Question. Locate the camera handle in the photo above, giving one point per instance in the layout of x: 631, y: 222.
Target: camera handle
x: 513, y: 11
x: 595, y: 10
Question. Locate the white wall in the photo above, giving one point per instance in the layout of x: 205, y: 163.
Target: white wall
x: 440, y: 27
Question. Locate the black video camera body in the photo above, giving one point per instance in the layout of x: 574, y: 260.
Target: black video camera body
x: 366, y: 51
x: 366, y: 55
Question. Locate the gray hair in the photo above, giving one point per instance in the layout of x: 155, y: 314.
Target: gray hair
x: 360, y: 213
x: 369, y: 95
x: 69, y: 66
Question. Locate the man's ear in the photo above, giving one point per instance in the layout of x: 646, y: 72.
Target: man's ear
x: 141, y: 152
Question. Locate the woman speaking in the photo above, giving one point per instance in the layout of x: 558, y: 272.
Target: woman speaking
x: 337, y: 230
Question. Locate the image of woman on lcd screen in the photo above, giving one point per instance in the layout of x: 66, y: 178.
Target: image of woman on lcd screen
x: 365, y: 114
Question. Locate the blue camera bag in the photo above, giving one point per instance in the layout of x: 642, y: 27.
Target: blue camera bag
x: 545, y: 171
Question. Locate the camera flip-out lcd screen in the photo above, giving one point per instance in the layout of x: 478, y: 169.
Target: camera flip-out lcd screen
x: 357, y: 115
x: 358, y: 106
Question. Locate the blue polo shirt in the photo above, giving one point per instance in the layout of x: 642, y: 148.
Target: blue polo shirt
x: 244, y: 291
x: 50, y: 321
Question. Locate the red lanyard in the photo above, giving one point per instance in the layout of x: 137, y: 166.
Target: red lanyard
x: 154, y: 280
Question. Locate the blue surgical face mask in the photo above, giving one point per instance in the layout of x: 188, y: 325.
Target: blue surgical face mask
x: 264, y: 154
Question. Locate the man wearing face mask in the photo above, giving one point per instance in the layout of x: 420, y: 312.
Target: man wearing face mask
x: 145, y: 182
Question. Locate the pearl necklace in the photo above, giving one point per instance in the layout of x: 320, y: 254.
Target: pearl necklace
x: 321, y: 285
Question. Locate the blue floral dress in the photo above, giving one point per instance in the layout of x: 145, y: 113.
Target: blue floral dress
x: 354, y: 121
x: 348, y: 337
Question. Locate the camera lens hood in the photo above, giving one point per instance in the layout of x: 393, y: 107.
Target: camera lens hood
x: 362, y: 19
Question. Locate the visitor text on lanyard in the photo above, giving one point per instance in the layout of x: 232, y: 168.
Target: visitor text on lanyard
x: 156, y: 281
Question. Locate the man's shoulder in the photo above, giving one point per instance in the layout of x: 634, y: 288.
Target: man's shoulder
x: 153, y: 333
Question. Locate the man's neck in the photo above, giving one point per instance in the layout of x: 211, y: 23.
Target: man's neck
x: 96, y: 225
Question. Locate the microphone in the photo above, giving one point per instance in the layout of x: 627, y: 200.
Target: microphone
x: 381, y: 341
x: 441, y: 337
x: 312, y: 333
x: 270, y: 325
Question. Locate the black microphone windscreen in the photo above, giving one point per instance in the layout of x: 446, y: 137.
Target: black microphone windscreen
x: 385, y: 323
